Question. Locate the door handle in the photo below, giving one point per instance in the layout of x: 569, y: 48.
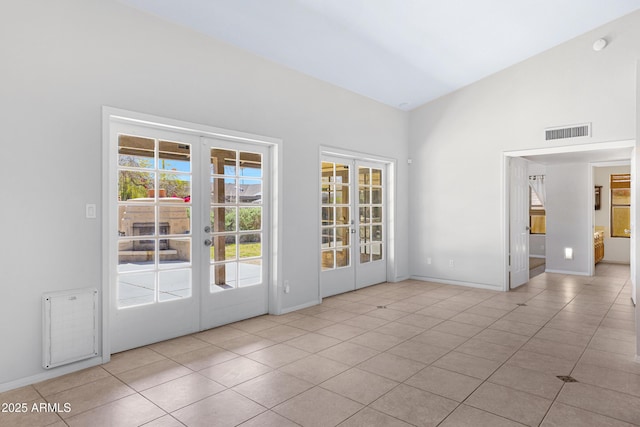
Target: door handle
x: 207, y: 242
x: 207, y: 229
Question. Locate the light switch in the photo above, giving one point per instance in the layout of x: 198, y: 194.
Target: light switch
x: 90, y: 210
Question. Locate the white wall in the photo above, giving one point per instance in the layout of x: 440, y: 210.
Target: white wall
x: 457, y: 141
x: 568, y: 210
x: 616, y: 249
x: 62, y: 61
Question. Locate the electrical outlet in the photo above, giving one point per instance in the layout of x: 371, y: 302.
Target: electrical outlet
x: 287, y: 288
x: 451, y: 263
x: 429, y: 261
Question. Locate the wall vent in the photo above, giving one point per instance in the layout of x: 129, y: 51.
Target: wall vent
x: 575, y: 131
x: 70, y: 326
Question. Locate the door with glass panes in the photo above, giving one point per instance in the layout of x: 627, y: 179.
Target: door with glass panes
x: 188, y: 228
x: 353, y: 224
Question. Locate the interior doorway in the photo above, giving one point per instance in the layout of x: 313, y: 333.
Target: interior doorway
x: 586, y: 154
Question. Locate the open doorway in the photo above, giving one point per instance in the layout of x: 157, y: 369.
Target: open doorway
x: 569, y: 240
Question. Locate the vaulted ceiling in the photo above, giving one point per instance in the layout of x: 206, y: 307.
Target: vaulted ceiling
x: 403, y: 53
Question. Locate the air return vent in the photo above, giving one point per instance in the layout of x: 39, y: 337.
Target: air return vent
x: 575, y: 131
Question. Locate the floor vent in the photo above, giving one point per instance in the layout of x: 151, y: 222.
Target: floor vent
x: 70, y: 326
x: 567, y: 378
x: 522, y: 304
x: 382, y: 306
x: 575, y: 131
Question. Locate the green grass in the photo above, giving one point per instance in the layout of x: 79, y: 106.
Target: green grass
x: 247, y: 250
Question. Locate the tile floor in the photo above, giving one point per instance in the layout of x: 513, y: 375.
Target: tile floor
x: 410, y: 353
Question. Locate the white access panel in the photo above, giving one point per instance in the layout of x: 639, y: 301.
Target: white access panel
x: 70, y: 326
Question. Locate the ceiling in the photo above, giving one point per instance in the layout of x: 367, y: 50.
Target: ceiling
x: 403, y: 53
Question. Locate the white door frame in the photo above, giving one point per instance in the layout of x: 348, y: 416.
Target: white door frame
x: 546, y: 151
x: 391, y: 191
x: 110, y: 115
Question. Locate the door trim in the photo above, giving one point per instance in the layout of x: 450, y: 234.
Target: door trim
x: 275, y: 145
x: 391, y: 208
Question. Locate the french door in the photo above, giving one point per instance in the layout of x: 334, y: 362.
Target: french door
x: 353, y: 224
x: 189, y: 233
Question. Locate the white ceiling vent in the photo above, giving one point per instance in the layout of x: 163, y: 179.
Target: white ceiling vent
x: 575, y: 131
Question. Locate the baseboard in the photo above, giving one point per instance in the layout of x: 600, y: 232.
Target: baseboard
x: 52, y: 373
x: 537, y: 256
x: 399, y: 279
x: 300, y: 307
x: 457, y: 283
x: 573, y: 273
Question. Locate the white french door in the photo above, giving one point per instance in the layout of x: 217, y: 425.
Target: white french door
x: 188, y: 233
x: 234, y: 236
x: 353, y: 224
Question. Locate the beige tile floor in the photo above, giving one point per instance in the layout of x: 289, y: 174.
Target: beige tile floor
x: 409, y: 353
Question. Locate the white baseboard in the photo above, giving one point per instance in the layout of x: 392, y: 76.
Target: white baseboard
x: 51, y: 373
x: 537, y: 256
x: 573, y: 273
x: 457, y: 283
x: 400, y: 279
x: 300, y: 307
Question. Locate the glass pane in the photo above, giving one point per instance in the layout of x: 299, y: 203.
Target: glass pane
x: 223, y: 162
x: 250, y: 164
x: 365, y: 254
x: 135, y: 185
x: 327, y: 172
x: 327, y: 238
x: 136, y: 220
x: 224, y: 276
x: 327, y: 194
x: 376, y: 196
x: 376, y: 214
x: 342, y: 215
x: 620, y: 196
x: 328, y: 260
x: 342, y: 195
x: 250, y: 272
x: 134, y: 255
x: 250, y: 218
x: 376, y: 177
x: 620, y: 221
x: 364, y: 176
x: 342, y: 258
x: 175, y: 252
x: 342, y: 236
x: 136, y: 152
x: 218, y: 224
x: 376, y: 233
x: 175, y: 185
x: 223, y: 190
x: 174, y: 218
x: 365, y: 214
x: 174, y: 156
x: 327, y: 215
x: 364, y: 196
x: 250, y: 245
x: 365, y: 235
x: 250, y: 191
x: 223, y: 248
x: 136, y: 289
x: 174, y: 284
x: 342, y: 174
x: 376, y: 251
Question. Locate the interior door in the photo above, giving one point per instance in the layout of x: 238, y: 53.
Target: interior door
x: 235, y: 235
x: 518, y: 222
x: 155, y: 293
x: 353, y: 224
